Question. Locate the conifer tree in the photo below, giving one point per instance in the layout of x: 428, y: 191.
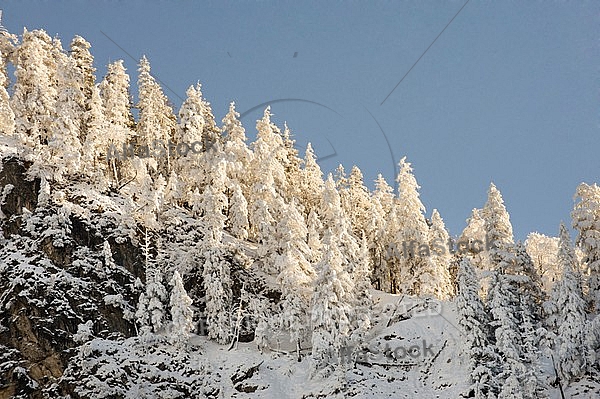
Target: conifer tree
x: 268, y: 181
x: 515, y: 296
x: 331, y: 316
x: 7, y: 116
x: 504, y: 307
x: 413, y: 236
x: 586, y: 220
x: 573, y: 354
x: 383, y: 194
x: 333, y: 217
x: 238, y: 213
x: 84, y: 63
x: 114, y: 93
x: 474, y: 322
x: 174, y: 189
x: 363, y: 301
x: 216, y: 272
x: 295, y: 274
x: 498, y: 229
x: 315, y: 227
x: 97, y: 141
x: 149, y: 196
x: 211, y: 134
x: 35, y: 91
x: 190, y: 168
x: 217, y: 286
x: 358, y: 203
x: 291, y: 163
x: 156, y: 124
x: 311, y: 183
x: 237, y: 153
x: 386, y: 226
x: 64, y: 144
x: 472, y: 241
x: 181, y: 311
x: 150, y: 313
x: 543, y: 251
x: 439, y: 285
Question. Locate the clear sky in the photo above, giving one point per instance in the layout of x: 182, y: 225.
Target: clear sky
x: 508, y: 93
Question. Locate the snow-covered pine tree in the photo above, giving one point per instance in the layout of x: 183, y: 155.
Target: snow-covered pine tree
x: 114, y: 92
x: 174, y: 189
x: 216, y: 272
x: 472, y: 241
x: 149, y: 196
x: 315, y: 227
x: 237, y: 220
x: 475, y: 229
x: 363, y: 301
x: 181, y: 311
x: 341, y: 180
x: 331, y: 311
x: 359, y: 206
x: 7, y: 116
x: 142, y: 317
x: 157, y: 123
x: 218, y: 297
x: 498, y: 229
x: 269, y: 150
x: 504, y: 305
x: 514, y: 299
x: 80, y: 52
x: 414, y: 274
x: 84, y: 63
x: 8, y: 45
x: 215, y: 203
x: 296, y: 274
x: 97, y: 142
x: 292, y: 167
x: 586, y: 220
x: 150, y: 314
x: 93, y: 133
x: 573, y: 356
x: 211, y: 133
x: 64, y: 145
x: 333, y: 217
x: 35, y: 91
x: 268, y: 181
x: 543, y: 251
x: 384, y: 194
x: 438, y: 242
x: 311, y: 183
x: 528, y: 285
x: 190, y: 168
x: 474, y: 322
x: 386, y: 226
x: 237, y: 153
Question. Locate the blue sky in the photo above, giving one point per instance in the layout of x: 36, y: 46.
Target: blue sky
x: 509, y: 92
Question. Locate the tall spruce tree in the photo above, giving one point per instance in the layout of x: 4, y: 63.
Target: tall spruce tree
x: 156, y: 124
x: 412, y: 236
x: 7, y: 116
x: 586, y: 220
x: 573, y: 355
x: 474, y: 322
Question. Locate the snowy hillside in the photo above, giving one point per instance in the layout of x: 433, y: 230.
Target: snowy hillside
x: 164, y: 256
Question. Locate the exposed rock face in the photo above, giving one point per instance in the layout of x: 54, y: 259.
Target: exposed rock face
x: 55, y: 277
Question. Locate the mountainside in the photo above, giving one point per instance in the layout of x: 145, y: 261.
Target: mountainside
x: 163, y: 257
